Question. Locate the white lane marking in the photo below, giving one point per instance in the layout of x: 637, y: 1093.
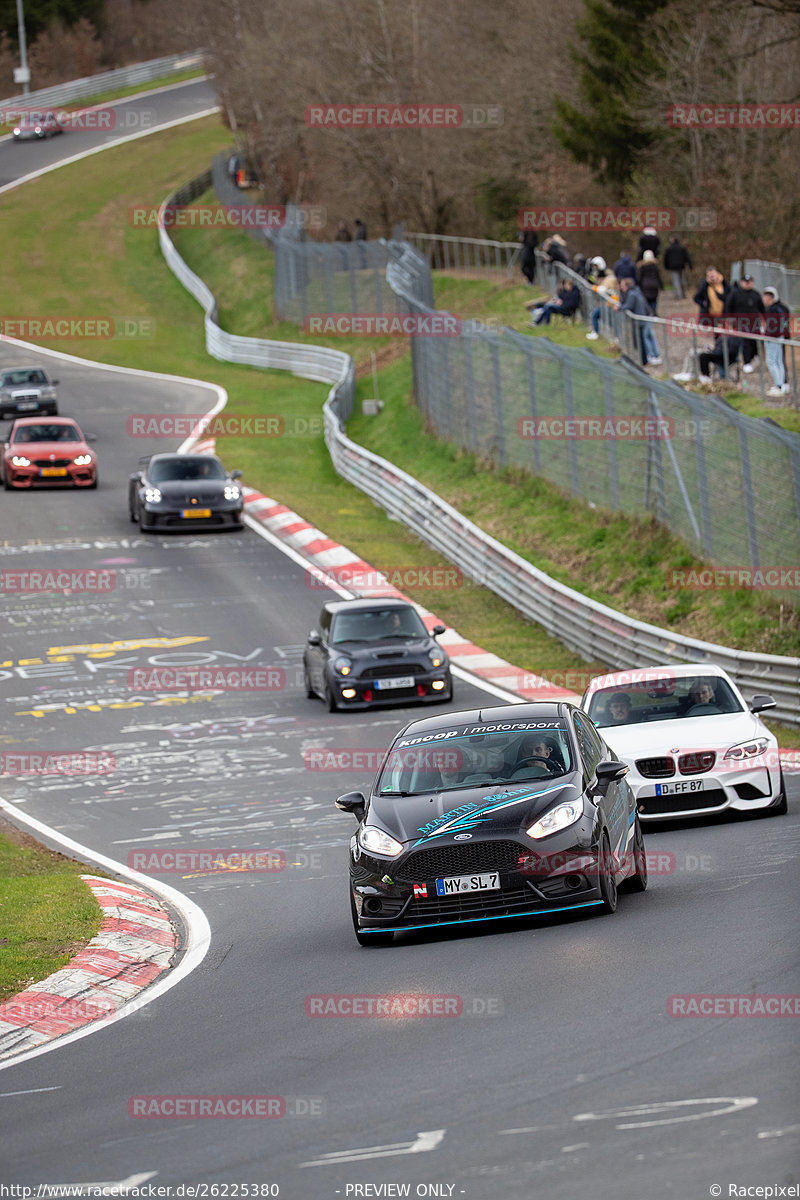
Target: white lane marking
x: 775, y: 1133
x: 30, y: 1091
x: 577, y: 1146
x: 731, y: 1104
x: 428, y: 1140
x: 156, y: 837
x: 131, y: 137
x: 198, y: 931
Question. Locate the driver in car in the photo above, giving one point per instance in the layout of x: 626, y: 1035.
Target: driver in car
x: 539, y: 751
x: 619, y: 708
x: 701, y: 695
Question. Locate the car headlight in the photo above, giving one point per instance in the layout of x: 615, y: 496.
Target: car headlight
x: 375, y: 841
x: 19, y: 460
x: 82, y: 460
x: 152, y: 495
x: 558, y: 818
x: 747, y: 749
x: 232, y: 492
x: 343, y: 665
x: 17, y: 131
x: 436, y: 657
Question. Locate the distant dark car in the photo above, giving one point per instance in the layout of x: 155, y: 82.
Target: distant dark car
x: 47, y: 452
x: 519, y: 811
x: 180, y: 491
x: 36, y: 126
x: 368, y: 653
x: 25, y: 391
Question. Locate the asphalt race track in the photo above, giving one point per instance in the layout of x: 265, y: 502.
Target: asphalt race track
x: 563, y: 1073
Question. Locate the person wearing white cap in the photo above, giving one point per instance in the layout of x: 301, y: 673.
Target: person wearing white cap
x: 776, y: 325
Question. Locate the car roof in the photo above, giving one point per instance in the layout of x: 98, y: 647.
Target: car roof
x: 338, y: 606
x: 167, y: 457
x: 23, y: 367
x: 533, y: 710
x: 43, y: 419
x: 640, y: 675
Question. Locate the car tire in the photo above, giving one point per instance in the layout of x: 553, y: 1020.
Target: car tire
x: 637, y: 882
x: 608, y: 884
x: 369, y: 940
x: 781, y: 805
x: 310, y: 693
x: 132, y: 515
x: 330, y: 699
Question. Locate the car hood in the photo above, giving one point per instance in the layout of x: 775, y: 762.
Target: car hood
x: 191, y: 489
x: 45, y: 449
x: 12, y: 391
x: 433, y: 818
x: 686, y: 734
x: 389, y: 651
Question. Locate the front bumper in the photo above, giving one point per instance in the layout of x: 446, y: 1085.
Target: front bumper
x: 742, y: 789
x: 27, y: 408
x: 29, y: 477
x: 368, y: 695
x: 532, y: 883
x: 166, y: 519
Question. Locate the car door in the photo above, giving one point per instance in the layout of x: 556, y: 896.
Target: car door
x: 616, y: 799
x: 318, y: 655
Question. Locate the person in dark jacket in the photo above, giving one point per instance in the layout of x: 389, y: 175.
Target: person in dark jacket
x: 623, y: 268
x: 556, y: 249
x: 725, y: 347
x: 649, y: 240
x: 712, y: 296
x: 648, y: 277
x: 745, y: 304
x: 361, y: 230
x: 776, y: 325
x: 527, y: 258
x: 676, y: 261
x: 632, y: 301
x: 568, y: 303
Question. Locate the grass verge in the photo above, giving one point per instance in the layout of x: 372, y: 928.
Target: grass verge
x: 47, y: 912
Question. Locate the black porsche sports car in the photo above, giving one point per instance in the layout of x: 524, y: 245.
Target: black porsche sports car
x: 494, y: 813
x: 175, y: 491
x: 368, y: 653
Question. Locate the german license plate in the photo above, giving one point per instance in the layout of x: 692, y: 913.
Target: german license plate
x: 400, y: 681
x: 196, y: 512
x: 26, y: 405
x: 680, y: 787
x: 52, y: 470
x: 457, y: 884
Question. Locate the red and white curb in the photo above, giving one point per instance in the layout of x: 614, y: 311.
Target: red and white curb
x: 136, y: 942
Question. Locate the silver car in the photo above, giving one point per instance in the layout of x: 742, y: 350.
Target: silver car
x: 27, y: 392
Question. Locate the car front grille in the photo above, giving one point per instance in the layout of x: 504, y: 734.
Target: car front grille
x: 48, y: 462
x: 654, y: 805
x: 472, y: 904
x: 441, y: 861
x: 393, y: 669
x: 25, y: 397
x: 655, y: 768
x: 696, y: 763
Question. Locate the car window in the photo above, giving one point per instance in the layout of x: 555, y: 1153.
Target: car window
x: 376, y: 625
x: 15, y: 378
x: 192, y: 467
x: 589, y: 744
x: 325, y: 624
x: 662, y: 699
x: 458, y: 760
x: 46, y: 433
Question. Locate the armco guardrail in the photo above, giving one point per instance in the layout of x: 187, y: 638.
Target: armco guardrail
x: 593, y: 630
x: 106, y: 81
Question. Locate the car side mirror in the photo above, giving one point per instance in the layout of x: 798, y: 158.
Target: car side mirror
x: 610, y: 770
x: 90, y: 437
x: 236, y: 474
x: 54, y: 382
x: 314, y: 639
x: 438, y: 629
x: 353, y: 802
x: 759, y: 703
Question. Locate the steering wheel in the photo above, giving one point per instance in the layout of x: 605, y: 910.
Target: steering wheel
x: 535, y: 758
x: 702, y: 710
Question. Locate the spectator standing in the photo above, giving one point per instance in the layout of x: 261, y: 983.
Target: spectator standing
x: 776, y: 325
x: 556, y: 249
x: 648, y: 278
x: 527, y: 258
x: 633, y: 301
x: 361, y: 230
x: 623, y: 268
x: 604, y: 282
x: 343, y: 233
x: 712, y: 296
x: 649, y: 240
x: 745, y: 303
x: 676, y: 261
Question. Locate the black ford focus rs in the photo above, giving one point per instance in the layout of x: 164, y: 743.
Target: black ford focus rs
x: 518, y: 811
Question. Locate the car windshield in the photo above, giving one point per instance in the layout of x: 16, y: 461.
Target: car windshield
x: 16, y: 378
x: 662, y: 699
x: 377, y: 625
x: 190, y: 467
x: 46, y: 433
x: 482, y: 760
